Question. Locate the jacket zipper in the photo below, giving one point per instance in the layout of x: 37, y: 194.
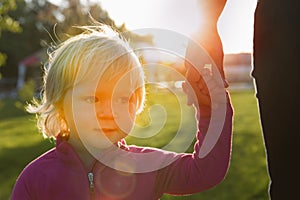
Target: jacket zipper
x: 91, y: 181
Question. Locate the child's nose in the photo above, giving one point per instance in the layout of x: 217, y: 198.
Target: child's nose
x: 104, y: 111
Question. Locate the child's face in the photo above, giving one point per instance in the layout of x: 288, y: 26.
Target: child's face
x: 101, y: 115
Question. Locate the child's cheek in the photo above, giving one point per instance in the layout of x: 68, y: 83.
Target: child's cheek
x: 84, y: 116
x: 125, y: 118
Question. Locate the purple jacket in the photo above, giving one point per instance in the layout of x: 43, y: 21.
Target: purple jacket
x: 60, y: 174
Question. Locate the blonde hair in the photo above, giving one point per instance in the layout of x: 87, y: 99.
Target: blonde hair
x: 87, y: 55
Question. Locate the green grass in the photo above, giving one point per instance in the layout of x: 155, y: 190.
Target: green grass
x: 246, y: 179
x: 20, y: 143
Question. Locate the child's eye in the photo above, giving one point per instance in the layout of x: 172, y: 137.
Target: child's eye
x: 122, y: 100
x: 91, y: 99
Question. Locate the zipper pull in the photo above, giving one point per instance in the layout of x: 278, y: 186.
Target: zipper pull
x: 91, y: 180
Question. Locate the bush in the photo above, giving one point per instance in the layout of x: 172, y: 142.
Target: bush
x: 27, y: 92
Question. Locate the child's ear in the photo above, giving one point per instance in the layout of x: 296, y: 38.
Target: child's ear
x: 60, y: 109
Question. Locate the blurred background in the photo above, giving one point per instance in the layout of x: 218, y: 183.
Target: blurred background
x: 31, y: 28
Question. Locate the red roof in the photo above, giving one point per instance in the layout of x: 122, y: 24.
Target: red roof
x: 33, y: 59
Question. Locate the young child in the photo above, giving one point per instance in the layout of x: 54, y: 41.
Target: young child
x: 93, y: 89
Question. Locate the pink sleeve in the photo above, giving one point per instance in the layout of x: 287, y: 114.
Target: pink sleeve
x: 20, y: 190
x: 191, y: 174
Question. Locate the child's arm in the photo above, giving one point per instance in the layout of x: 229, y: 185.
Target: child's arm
x: 191, y: 174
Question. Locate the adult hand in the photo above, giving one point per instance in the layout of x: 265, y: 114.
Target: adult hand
x: 207, y: 36
x: 205, y: 48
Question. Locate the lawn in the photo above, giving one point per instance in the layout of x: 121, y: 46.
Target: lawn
x: 247, y: 177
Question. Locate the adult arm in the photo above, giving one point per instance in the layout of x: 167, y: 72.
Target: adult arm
x: 190, y: 173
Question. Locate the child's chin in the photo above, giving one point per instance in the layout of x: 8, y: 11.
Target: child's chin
x: 97, y: 143
x: 103, y: 140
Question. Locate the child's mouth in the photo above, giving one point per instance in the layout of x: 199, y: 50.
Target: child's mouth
x: 106, y: 130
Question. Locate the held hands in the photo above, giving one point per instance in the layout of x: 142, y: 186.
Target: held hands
x: 203, y: 86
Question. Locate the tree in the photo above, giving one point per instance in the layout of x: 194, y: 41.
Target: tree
x: 7, y: 23
x: 18, y: 46
x: 44, y: 23
x: 74, y: 13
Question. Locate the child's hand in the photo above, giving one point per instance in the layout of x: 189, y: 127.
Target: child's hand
x: 202, y: 87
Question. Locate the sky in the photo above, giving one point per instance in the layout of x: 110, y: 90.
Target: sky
x: 235, y: 24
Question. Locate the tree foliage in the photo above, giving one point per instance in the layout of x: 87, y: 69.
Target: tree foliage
x: 74, y: 13
x: 7, y: 23
x: 43, y: 23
